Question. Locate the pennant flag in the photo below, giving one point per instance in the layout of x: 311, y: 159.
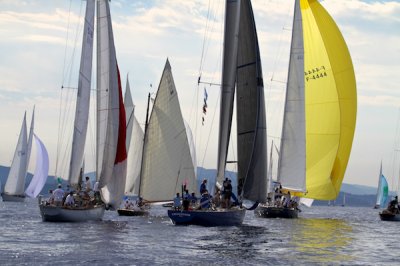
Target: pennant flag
x: 204, y: 105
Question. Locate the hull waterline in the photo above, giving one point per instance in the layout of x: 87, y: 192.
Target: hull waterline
x: 13, y: 198
x: 231, y: 217
x: 276, y: 212
x: 51, y: 213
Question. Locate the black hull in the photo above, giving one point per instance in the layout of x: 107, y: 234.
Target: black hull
x: 223, y: 217
x: 388, y: 216
x: 126, y: 212
x: 276, y: 212
x: 13, y: 198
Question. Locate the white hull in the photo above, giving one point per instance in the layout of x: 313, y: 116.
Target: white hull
x: 63, y: 214
x: 14, y: 198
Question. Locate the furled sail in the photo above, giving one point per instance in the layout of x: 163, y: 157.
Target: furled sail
x: 15, y: 184
x: 83, y: 98
x: 111, y: 120
x: 232, y: 14
x: 250, y: 111
x: 41, y: 171
x: 167, y: 162
x: 331, y: 102
x: 292, y: 159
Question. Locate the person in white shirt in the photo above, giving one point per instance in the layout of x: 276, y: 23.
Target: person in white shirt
x: 69, y: 201
x: 58, y: 195
x: 88, y: 184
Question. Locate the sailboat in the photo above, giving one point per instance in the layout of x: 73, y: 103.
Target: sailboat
x: 241, y: 67
x: 320, y: 110
x: 166, y: 162
x: 111, y: 122
x: 382, y: 192
x: 134, y: 147
x: 15, y: 184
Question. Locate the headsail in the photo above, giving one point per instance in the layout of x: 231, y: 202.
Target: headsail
x: 330, y: 104
x: 167, y: 161
x: 41, y: 172
x: 83, y: 98
x: 111, y: 120
x: 134, y: 145
x: 15, y: 184
x: 251, y: 120
x: 383, y: 190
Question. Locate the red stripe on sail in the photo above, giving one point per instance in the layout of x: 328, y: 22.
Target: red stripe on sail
x: 121, y: 147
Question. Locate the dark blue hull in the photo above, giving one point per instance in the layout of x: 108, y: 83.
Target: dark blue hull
x: 230, y: 217
x: 276, y: 212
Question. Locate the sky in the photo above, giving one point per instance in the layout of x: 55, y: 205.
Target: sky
x: 40, y: 48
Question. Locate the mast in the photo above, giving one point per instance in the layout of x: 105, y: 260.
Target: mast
x: 144, y: 141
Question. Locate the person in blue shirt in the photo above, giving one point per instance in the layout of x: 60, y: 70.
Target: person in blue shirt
x: 205, y: 200
x: 177, y: 202
x: 203, y: 186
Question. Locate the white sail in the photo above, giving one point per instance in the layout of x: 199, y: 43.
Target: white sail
x: 192, y: 147
x: 83, y: 98
x: 129, y: 110
x: 30, y: 138
x: 15, y: 184
x: 167, y: 162
x: 292, y: 159
x: 111, y: 120
x: 41, y: 171
x: 232, y: 14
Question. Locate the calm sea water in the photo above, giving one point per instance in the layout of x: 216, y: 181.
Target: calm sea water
x: 322, y: 235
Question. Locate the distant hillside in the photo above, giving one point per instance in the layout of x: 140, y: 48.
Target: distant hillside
x: 356, y: 195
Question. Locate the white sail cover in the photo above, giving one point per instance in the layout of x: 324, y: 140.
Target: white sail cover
x: 83, y: 98
x: 167, y: 163
x: 41, y: 171
x: 111, y: 120
x: 250, y: 112
x: 129, y: 111
x: 15, y: 184
x: 232, y: 14
x: 292, y: 159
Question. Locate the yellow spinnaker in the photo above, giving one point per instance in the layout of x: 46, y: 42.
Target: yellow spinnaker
x: 331, y: 102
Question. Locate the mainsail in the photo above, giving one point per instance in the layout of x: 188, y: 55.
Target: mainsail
x: 250, y: 111
x: 167, y: 162
x: 15, y: 184
x: 41, y: 171
x: 83, y: 98
x: 330, y: 104
x: 111, y: 120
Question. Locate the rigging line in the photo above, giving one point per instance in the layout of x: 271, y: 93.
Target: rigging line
x: 66, y: 42
x: 209, y: 134
x: 204, y: 39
